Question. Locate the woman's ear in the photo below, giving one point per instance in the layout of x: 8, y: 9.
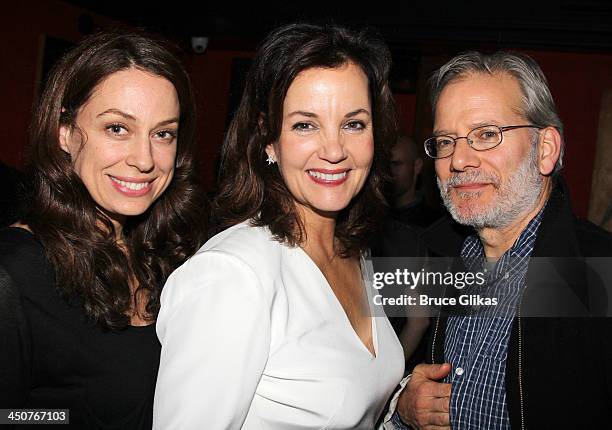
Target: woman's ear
x: 65, y: 135
x: 271, y: 153
x: 549, y: 150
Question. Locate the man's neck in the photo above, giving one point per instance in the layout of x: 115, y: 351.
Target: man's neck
x: 496, y: 241
x: 405, y: 199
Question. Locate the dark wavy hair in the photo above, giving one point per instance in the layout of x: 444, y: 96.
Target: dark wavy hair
x: 79, y: 240
x: 249, y: 189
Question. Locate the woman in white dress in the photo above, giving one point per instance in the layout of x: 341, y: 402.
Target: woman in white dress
x: 270, y: 325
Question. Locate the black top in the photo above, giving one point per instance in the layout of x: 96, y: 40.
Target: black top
x: 11, y: 181
x: 51, y: 356
x: 558, y: 370
x: 416, y: 214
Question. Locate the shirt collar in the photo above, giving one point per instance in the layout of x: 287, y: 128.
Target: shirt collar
x: 473, y: 254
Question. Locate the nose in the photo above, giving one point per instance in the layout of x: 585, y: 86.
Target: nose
x: 464, y: 157
x: 140, y: 155
x: 332, y: 148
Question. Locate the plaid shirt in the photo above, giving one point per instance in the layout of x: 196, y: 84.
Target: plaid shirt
x: 477, y: 346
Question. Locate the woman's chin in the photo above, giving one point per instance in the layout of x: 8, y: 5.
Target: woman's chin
x: 330, y: 210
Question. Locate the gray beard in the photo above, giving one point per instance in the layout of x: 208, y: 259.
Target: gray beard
x: 517, y: 196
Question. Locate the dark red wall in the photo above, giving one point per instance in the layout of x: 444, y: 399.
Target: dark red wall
x: 577, y: 82
x: 23, y: 25
x: 406, y: 109
x: 210, y: 74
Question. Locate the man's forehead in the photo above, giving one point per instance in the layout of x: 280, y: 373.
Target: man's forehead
x: 479, y: 99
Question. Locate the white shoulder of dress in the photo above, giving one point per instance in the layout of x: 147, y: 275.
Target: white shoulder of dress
x: 253, y: 246
x: 240, y: 261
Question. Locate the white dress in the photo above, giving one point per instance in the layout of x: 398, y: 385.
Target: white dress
x: 254, y: 338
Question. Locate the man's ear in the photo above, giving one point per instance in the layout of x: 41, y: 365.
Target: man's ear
x: 65, y: 135
x: 418, y: 165
x: 549, y: 150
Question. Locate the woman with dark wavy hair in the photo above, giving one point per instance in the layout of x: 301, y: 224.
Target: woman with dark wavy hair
x: 112, y: 211
x: 270, y: 324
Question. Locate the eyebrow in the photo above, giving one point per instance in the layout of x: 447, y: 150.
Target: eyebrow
x: 314, y: 115
x: 117, y: 112
x: 357, y: 112
x: 472, y: 126
x: 168, y: 121
x: 133, y: 118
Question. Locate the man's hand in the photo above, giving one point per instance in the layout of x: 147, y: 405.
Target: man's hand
x: 424, y: 403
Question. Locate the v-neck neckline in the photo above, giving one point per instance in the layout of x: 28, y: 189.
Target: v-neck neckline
x: 335, y: 299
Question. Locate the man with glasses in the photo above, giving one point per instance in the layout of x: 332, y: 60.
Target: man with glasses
x: 498, y: 149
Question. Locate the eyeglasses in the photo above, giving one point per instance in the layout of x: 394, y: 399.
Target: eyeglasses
x: 480, y: 139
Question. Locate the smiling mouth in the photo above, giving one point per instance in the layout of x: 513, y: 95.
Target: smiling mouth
x: 132, y: 186
x: 470, y: 186
x: 328, y: 177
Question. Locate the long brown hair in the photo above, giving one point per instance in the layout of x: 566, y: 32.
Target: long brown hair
x: 249, y: 189
x: 79, y: 240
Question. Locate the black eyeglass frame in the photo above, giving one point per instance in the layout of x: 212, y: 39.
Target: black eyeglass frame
x: 455, y: 139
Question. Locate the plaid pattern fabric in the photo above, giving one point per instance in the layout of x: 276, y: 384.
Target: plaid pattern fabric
x: 477, y: 344
x: 398, y: 423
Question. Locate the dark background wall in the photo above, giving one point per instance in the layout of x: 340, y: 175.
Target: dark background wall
x: 25, y: 23
x: 571, y: 40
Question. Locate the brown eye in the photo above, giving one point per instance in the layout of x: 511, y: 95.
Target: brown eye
x: 303, y: 126
x: 355, y: 125
x: 442, y: 142
x: 488, y: 135
x: 116, y: 129
x: 166, y: 134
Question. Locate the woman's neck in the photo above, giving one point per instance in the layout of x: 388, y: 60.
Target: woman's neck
x: 319, y: 237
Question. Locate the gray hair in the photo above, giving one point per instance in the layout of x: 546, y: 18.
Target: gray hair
x: 538, y: 104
